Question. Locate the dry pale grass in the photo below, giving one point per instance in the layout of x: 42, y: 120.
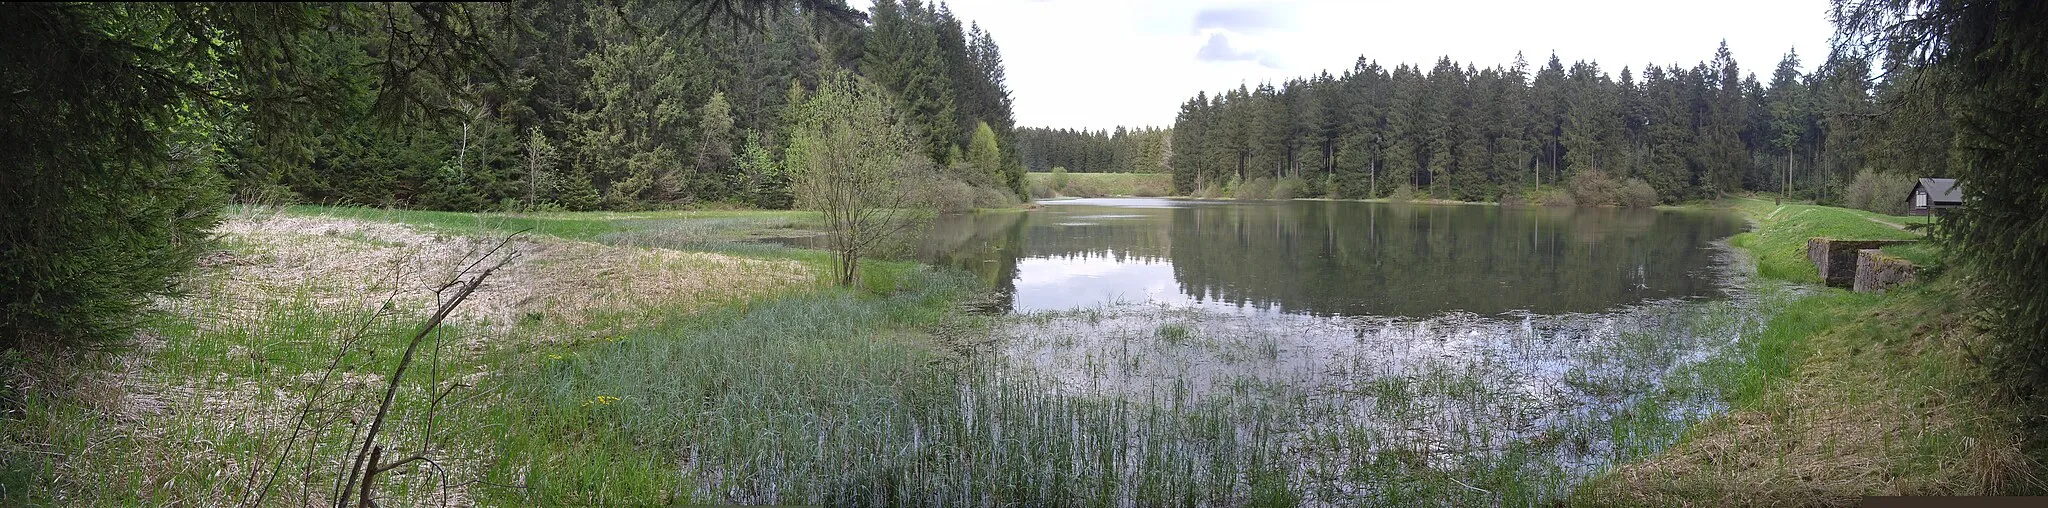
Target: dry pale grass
x: 576, y: 284
x: 334, y: 263
x: 1868, y: 413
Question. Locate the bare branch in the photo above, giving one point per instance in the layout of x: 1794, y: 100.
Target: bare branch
x: 366, y: 457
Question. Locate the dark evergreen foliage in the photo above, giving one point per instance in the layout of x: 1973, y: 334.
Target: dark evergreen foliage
x: 120, y: 121
x: 1142, y: 150
x: 1461, y: 132
x: 623, y: 92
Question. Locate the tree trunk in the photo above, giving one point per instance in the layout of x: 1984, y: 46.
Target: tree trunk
x: 1372, y: 179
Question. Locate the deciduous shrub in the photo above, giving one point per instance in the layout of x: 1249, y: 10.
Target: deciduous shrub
x: 947, y: 194
x: 991, y: 197
x: 1637, y: 193
x: 1040, y: 189
x: 1403, y: 193
x: 1593, y: 187
x: 1256, y: 188
x: 1513, y: 198
x: 1878, y: 192
x: 1081, y: 189
x: 1289, y: 188
x: 1151, y: 188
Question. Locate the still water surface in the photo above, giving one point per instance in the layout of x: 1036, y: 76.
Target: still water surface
x: 1349, y: 353
x: 1326, y: 258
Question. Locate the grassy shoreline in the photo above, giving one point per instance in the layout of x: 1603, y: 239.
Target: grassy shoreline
x: 1096, y: 185
x: 1845, y: 394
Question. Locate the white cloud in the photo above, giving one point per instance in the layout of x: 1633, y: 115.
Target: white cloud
x: 1218, y: 50
x: 1243, y: 19
x: 1101, y: 63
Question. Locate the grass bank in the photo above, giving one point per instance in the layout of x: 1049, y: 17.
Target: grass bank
x: 1098, y: 185
x: 1843, y: 394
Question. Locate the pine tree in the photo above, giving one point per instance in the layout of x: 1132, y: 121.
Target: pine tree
x: 1669, y: 131
x: 1843, y: 98
x: 122, y: 119
x: 635, y: 129
x: 1723, y: 158
x: 1592, y: 126
x: 1548, y: 110
x: 1988, y: 61
x: 1788, y: 111
x: 1515, y: 153
x: 1408, y: 122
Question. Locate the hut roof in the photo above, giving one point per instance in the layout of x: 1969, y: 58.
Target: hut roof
x: 1942, y: 190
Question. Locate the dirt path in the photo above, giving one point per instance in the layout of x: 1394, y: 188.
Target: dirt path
x: 1894, y: 225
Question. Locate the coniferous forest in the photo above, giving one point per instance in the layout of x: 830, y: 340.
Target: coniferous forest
x: 636, y: 106
x: 1459, y: 131
x: 1125, y: 150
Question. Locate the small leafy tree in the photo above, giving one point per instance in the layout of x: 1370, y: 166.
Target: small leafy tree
x: 714, y: 145
x: 850, y: 160
x: 540, y: 161
x: 1878, y: 192
x: 984, y: 159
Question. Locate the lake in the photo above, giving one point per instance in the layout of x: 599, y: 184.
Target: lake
x: 1152, y: 351
x: 1333, y: 258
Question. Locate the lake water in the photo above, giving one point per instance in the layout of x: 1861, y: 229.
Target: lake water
x: 1330, y: 258
x: 1348, y: 353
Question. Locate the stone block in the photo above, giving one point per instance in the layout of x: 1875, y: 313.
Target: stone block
x: 1835, y: 259
x: 1876, y: 271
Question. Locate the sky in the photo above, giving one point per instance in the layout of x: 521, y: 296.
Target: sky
x: 1096, y: 64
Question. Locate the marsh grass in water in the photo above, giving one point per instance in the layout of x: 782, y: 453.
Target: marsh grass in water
x: 1457, y: 408
x: 840, y: 398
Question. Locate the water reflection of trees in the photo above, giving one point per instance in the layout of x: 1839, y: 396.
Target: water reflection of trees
x: 1362, y: 258
x: 985, y: 245
x: 1380, y: 259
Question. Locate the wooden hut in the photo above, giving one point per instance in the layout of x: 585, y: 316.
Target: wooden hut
x: 1933, y: 195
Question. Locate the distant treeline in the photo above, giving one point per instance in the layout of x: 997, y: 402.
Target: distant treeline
x: 1461, y: 132
x: 647, y: 104
x: 1125, y: 150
